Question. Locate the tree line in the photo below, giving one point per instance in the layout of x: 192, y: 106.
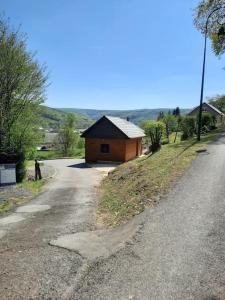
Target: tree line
x: 159, y: 132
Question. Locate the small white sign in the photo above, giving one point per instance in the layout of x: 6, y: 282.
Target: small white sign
x: 7, y: 174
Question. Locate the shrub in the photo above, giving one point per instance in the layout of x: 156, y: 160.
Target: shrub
x: 20, y: 168
x: 81, y: 143
x: 154, y: 131
x: 205, y: 129
x: 188, y: 127
x: 170, y: 122
x: 165, y: 142
x: 207, y: 120
x: 67, y: 139
x: 214, y: 121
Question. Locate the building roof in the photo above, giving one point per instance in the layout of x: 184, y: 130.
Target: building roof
x: 216, y: 110
x: 128, y: 129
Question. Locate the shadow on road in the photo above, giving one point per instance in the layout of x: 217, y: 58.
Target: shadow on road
x: 80, y: 166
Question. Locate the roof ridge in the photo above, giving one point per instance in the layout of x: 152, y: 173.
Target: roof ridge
x: 127, y: 128
x: 213, y: 107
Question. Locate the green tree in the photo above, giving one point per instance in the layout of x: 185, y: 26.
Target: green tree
x: 154, y: 131
x: 67, y: 138
x: 160, y: 116
x: 176, y: 112
x: 179, y: 120
x: 170, y: 122
x: 81, y: 143
x: 188, y: 127
x: 22, y: 88
x: 202, y: 11
x: 218, y: 102
x: 207, y: 120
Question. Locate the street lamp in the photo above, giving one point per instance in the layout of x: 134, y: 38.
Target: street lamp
x: 221, y: 33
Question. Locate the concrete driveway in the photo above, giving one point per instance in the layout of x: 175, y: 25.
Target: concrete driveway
x: 29, y: 267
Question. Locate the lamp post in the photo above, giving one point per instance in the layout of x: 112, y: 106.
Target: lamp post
x: 220, y: 33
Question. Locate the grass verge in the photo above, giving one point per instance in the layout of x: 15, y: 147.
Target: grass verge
x: 135, y: 185
x: 34, y: 186
x: 51, y: 154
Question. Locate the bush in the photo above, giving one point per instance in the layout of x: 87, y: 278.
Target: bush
x: 21, y: 168
x: 67, y: 139
x: 81, y: 143
x: 205, y: 129
x: 188, y: 127
x: 207, y: 120
x: 171, y: 124
x: 30, y: 155
x: 213, y: 127
x: 165, y: 142
x: 154, y: 130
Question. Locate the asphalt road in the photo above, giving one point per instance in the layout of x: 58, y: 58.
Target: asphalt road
x: 29, y: 267
x: 178, y: 253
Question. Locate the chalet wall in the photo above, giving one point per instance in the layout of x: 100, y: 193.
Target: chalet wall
x: 139, y: 146
x: 93, y: 153
x: 120, y: 149
x: 133, y: 148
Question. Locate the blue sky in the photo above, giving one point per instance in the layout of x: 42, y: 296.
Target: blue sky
x: 118, y: 54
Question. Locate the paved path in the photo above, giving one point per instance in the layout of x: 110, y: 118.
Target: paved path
x: 29, y: 267
x: 180, y: 253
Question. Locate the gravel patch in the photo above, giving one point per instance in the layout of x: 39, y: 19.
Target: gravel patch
x: 12, y: 192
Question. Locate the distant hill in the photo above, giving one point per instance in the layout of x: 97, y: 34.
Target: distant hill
x: 136, y: 116
x: 54, y: 118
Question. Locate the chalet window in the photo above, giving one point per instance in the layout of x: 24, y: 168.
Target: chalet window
x: 104, y: 148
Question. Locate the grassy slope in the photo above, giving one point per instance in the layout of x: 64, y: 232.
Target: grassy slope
x: 136, y: 116
x: 54, y: 118
x: 139, y: 183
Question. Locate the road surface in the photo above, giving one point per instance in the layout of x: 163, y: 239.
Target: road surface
x: 177, y: 254
x: 180, y: 252
x: 29, y: 267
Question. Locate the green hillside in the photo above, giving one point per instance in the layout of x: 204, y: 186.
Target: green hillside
x: 54, y: 118
x: 136, y: 116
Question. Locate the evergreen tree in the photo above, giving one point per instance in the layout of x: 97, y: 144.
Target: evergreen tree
x: 160, y: 116
x: 177, y: 112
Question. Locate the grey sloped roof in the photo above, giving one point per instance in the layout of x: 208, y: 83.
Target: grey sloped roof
x: 129, y: 129
x: 205, y: 104
x: 214, y: 108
